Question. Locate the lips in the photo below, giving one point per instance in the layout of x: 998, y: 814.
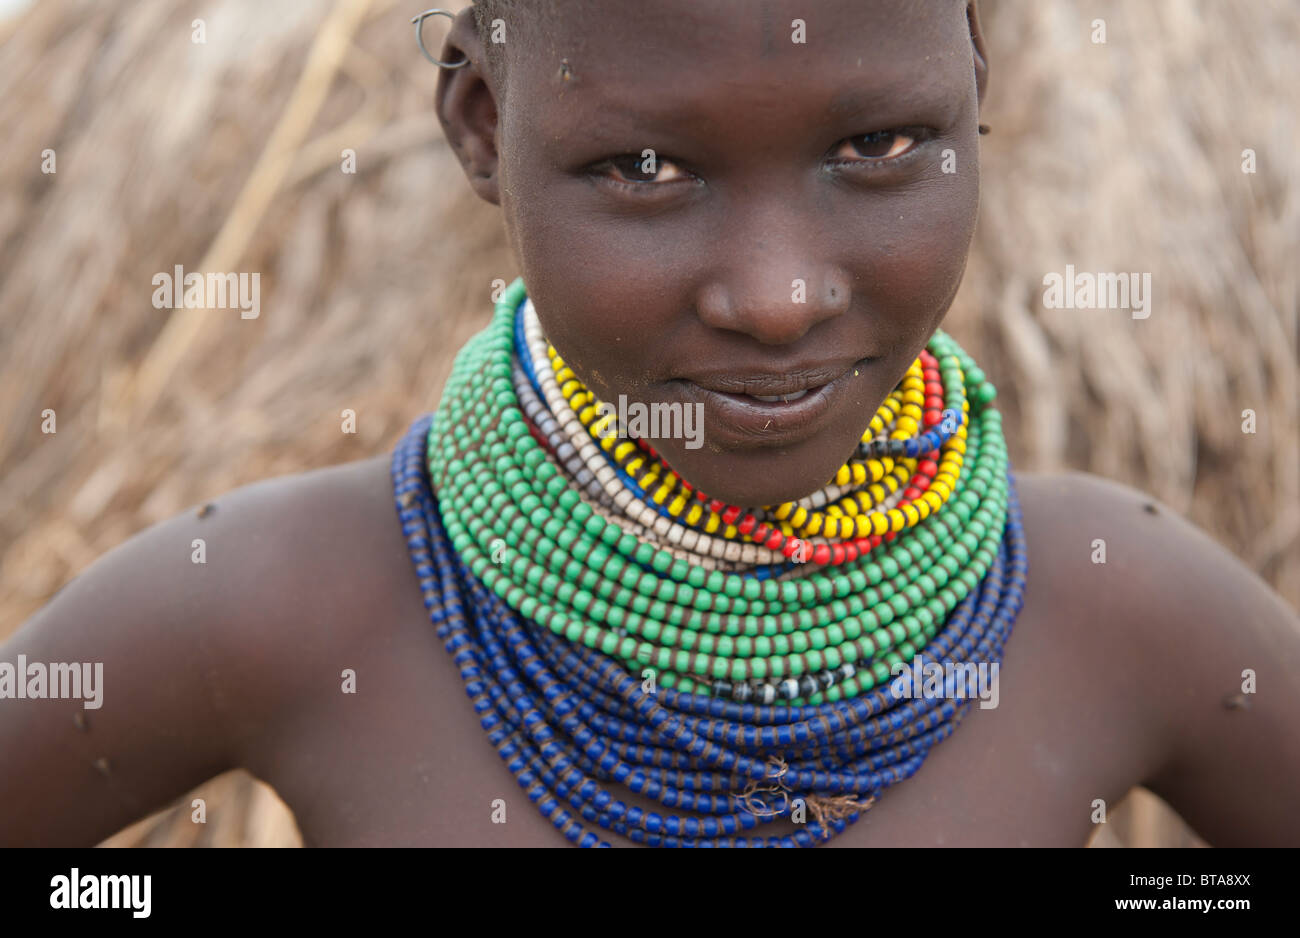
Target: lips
x: 769, y: 410
x: 774, y: 398
x: 786, y: 382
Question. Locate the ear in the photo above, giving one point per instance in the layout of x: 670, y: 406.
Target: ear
x: 981, y: 54
x: 467, y: 107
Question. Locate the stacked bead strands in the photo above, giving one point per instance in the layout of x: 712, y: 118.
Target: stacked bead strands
x: 600, y: 482
x: 849, y: 511
x: 757, y: 681
x: 620, y: 453
x: 696, y: 626
x: 565, y: 718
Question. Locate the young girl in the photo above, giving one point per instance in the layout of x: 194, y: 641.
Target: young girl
x: 550, y: 616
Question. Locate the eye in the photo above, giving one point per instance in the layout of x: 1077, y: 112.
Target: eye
x: 876, y: 147
x: 634, y: 171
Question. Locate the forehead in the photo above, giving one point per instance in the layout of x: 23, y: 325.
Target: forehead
x: 696, y: 57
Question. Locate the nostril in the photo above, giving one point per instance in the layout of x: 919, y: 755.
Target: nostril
x: 772, y: 308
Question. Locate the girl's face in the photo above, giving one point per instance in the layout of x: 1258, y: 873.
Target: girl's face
x: 715, y: 201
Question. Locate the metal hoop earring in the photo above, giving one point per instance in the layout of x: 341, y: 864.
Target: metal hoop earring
x: 419, y: 37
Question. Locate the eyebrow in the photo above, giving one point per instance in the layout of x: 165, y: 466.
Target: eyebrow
x: 903, y: 93
x: 892, y: 98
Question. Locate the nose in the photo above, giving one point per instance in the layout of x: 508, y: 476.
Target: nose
x: 776, y: 300
x: 771, y: 272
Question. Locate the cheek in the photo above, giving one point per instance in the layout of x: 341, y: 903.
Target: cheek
x: 920, y: 244
x: 581, y: 307
x: 598, y: 296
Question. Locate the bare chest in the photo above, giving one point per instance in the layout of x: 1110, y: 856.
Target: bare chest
x: 402, y: 759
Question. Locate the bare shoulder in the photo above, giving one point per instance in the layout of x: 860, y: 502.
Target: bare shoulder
x: 1120, y: 551
x: 1092, y: 538
x: 325, y: 572
x: 1207, y: 652
x: 1138, y: 569
x: 1090, y: 542
x: 1071, y: 501
x: 201, y: 634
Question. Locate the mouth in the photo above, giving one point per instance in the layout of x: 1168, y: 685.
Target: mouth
x: 788, y: 397
x: 768, y: 410
x: 783, y: 398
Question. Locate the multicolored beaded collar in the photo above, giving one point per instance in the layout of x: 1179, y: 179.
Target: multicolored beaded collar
x: 612, y: 624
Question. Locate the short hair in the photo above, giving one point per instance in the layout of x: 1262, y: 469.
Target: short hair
x: 523, y: 19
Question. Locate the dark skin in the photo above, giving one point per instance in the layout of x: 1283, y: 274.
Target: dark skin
x: 772, y: 167
x: 1117, y: 674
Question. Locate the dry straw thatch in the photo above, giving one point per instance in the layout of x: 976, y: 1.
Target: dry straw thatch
x: 226, y: 156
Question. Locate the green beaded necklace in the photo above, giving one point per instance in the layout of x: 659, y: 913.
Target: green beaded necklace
x: 518, y: 522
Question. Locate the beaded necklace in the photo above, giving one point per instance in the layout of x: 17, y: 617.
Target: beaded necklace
x: 612, y: 623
